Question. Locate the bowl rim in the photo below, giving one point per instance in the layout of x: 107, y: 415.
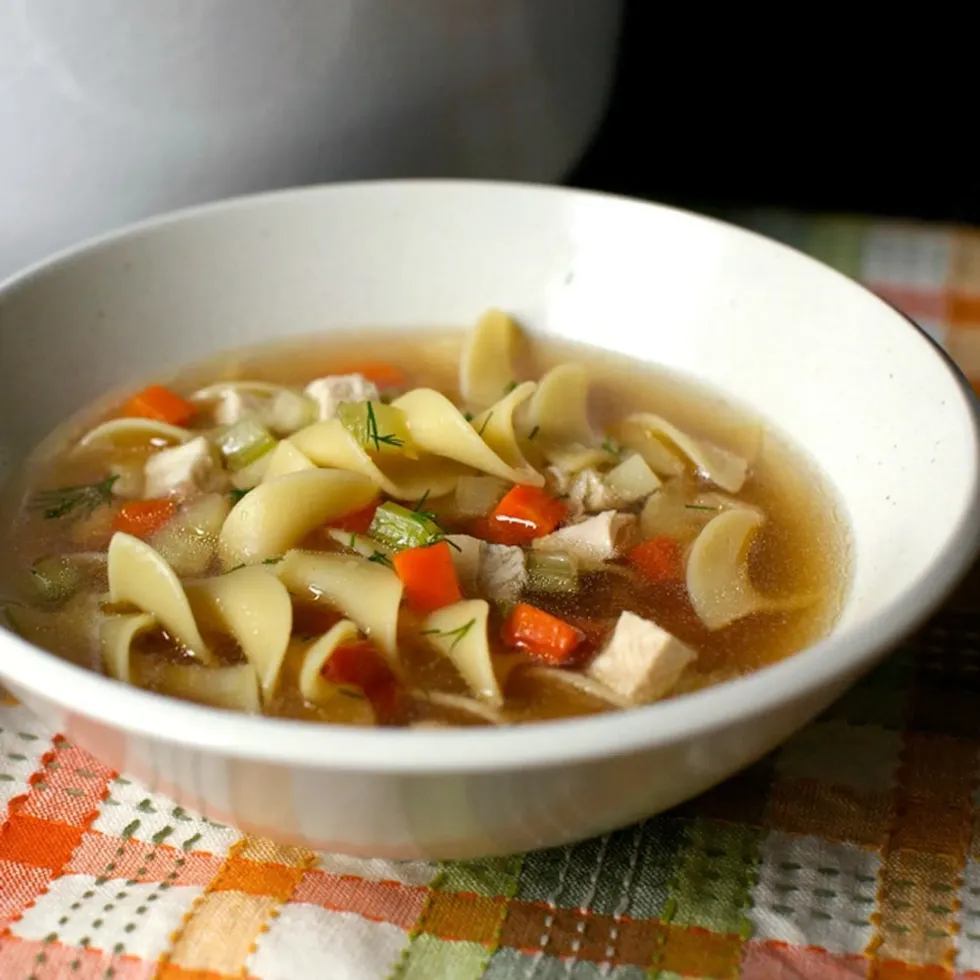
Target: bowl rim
x: 419, y: 752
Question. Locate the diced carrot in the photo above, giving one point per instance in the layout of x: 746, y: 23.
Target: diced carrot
x: 361, y: 665
x: 524, y: 513
x: 429, y: 577
x: 542, y: 635
x: 658, y: 559
x: 383, y: 375
x: 480, y: 527
x: 358, y: 521
x: 143, y: 518
x: 159, y: 403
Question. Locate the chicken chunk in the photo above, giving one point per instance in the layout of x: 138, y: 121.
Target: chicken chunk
x: 585, y: 492
x: 641, y: 662
x: 328, y: 393
x: 494, y: 571
x: 503, y: 572
x: 232, y: 408
x: 192, y: 466
x: 129, y: 479
x: 598, y: 538
x: 589, y: 492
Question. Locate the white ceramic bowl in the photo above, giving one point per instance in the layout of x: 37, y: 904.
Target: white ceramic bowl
x: 879, y: 407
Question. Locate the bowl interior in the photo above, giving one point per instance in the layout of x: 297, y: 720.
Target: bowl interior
x: 841, y: 373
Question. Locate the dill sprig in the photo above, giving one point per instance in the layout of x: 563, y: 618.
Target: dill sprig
x: 458, y: 634
x: 81, y: 499
x: 372, y: 432
x: 421, y: 504
x: 430, y: 516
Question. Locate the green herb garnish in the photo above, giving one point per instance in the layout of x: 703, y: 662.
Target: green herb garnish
x: 430, y: 515
x: 236, y: 495
x: 699, y: 507
x: 458, y: 634
x: 83, y: 498
x: 372, y: 432
x: 381, y: 559
x: 468, y: 416
x: 486, y: 422
x: 271, y: 561
x: 534, y: 432
x: 375, y: 426
x: 510, y: 387
x: 611, y: 447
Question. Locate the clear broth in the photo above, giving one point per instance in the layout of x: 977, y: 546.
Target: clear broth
x: 803, y: 546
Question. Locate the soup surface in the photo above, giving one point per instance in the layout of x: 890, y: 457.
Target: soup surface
x: 422, y: 530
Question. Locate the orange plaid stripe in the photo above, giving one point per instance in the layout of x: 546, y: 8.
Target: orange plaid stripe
x: 170, y: 972
x: 21, y: 883
x: 781, y: 961
x: 922, y: 874
x: 42, y: 960
x: 222, y: 927
x: 69, y: 787
x: 380, y: 901
x: 141, y: 862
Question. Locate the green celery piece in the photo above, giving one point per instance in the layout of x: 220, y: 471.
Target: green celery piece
x: 400, y: 528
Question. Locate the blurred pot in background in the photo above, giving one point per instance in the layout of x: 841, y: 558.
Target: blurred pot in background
x: 112, y: 110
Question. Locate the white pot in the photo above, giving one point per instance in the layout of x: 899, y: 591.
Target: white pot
x: 112, y: 110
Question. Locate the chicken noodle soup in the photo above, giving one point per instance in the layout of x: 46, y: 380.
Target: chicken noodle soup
x: 473, y: 530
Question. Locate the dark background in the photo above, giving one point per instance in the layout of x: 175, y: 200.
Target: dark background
x: 829, y: 114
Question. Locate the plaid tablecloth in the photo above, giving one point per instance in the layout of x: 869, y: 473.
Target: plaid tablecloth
x: 853, y: 851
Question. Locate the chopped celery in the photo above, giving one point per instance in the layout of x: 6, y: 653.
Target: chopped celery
x: 55, y: 578
x: 632, y: 480
x: 378, y: 428
x: 189, y: 541
x: 476, y: 496
x: 400, y: 528
x: 245, y: 442
x: 555, y: 572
